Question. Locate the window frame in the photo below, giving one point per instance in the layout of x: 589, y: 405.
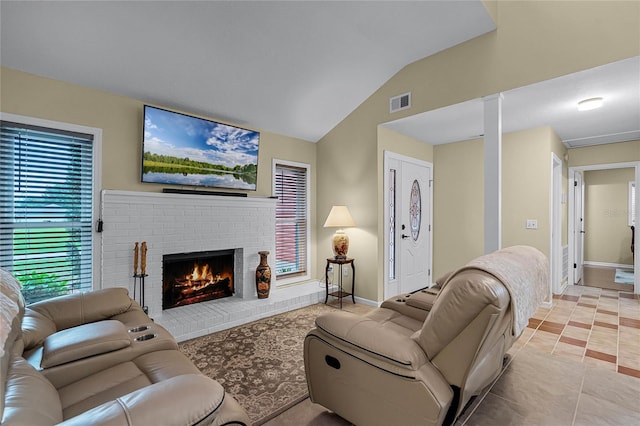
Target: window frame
x: 632, y: 203
x: 285, y: 280
x: 96, y: 243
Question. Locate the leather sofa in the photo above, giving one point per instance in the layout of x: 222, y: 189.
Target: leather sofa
x: 419, y: 358
x: 97, y: 358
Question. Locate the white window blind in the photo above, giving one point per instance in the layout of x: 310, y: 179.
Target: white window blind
x: 46, y: 185
x: 292, y: 221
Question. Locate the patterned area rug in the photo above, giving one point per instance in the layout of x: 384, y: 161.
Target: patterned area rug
x: 261, y: 363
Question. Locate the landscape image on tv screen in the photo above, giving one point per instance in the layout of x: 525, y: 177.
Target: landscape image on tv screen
x: 179, y: 149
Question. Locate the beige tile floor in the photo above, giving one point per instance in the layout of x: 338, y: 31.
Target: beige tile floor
x: 578, y: 363
x: 594, y: 326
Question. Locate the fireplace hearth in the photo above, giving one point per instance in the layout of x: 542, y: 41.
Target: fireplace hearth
x: 189, y: 278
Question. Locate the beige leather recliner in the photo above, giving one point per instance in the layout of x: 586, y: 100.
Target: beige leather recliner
x: 81, y: 359
x: 407, y: 363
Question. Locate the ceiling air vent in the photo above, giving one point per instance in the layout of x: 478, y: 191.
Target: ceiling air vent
x: 400, y: 102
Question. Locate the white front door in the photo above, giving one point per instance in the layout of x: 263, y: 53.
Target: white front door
x: 578, y: 227
x: 413, y: 226
x: 407, y: 212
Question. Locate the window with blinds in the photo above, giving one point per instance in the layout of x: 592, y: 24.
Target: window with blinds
x: 46, y: 186
x: 292, y: 219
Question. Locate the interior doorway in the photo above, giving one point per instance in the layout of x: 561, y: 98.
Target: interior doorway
x: 408, y: 199
x: 579, y: 217
x: 578, y: 231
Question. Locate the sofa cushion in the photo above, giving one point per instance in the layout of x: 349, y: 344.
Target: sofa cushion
x: 84, y: 341
x: 29, y: 398
x: 102, y: 387
x: 395, y: 320
x: 200, y: 399
x: 109, y: 384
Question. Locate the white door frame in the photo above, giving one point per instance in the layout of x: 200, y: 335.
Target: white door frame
x: 572, y: 170
x: 391, y: 287
x: 578, y: 233
x: 557, y: 285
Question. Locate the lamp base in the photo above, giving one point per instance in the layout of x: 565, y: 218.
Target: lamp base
x: 340, y: 244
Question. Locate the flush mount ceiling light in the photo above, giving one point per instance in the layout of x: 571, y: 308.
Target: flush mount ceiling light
x: 589, y: 104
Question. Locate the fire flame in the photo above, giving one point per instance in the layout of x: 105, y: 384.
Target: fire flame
x: 200, y: 273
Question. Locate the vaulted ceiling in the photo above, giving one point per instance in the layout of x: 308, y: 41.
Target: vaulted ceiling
x: 293, y: 68
x: 548, y: 103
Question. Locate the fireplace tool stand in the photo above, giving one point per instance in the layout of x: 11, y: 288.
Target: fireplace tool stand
x: 138, y: 281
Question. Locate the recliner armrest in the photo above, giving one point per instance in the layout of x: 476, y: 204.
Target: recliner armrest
x: 84, y: 341
x: 187, y: 400
x: 81, y: 308
x: 373, y: 337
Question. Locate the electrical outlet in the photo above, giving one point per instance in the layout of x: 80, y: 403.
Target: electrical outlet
x: 330, y: 269
x: 345, y: 272
x: 532, y: 224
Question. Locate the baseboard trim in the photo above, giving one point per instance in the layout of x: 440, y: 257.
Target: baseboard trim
x: 608, y: 265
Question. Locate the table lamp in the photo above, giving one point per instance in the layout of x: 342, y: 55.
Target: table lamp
x: 339, y: 217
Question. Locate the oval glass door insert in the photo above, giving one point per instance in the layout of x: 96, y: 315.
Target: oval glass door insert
x: 415, y: 210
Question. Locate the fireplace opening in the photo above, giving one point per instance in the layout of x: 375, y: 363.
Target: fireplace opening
x: 189, y: 278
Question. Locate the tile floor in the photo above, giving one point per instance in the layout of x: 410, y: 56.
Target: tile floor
x: 578, y: 363
x: 595, y: 326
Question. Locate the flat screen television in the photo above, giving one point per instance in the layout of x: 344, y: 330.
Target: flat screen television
x: 179, y: 149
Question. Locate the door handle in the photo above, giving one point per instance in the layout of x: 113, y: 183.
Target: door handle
x: 404, y: 236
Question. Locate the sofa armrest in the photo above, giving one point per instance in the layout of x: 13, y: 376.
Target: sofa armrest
x: 36, y: 328
x: 372, y: 337
x: 186, y: 400
x: 81, y: 308
x: 84, y: 341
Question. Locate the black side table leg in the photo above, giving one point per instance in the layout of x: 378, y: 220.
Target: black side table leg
x: 326, y: 282
x: 353, y: 282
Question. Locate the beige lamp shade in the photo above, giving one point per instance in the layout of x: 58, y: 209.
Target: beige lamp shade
x: 339, y: 217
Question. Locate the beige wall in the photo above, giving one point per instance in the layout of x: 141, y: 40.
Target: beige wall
x: 621, y: 152
x: 526, y: 183
x: 535, y: 41
x: 561, y: 151
x: 607, y: 235
x: 120, y: 119
x: 459, y: 195
x: 458, y: 201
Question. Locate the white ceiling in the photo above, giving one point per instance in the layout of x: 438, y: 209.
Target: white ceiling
x: 293, y: 68
x: 549, y: 103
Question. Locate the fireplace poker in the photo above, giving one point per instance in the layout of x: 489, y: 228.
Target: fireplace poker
x: 135, y: 259
x: 138, y: 278
x: 143, y: 273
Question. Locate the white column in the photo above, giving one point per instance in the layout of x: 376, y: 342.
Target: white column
x: 492, y: 172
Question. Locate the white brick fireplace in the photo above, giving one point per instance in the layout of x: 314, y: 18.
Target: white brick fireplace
x: 181, y: 223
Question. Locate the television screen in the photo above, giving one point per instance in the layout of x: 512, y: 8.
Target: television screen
x: 180, y: 149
